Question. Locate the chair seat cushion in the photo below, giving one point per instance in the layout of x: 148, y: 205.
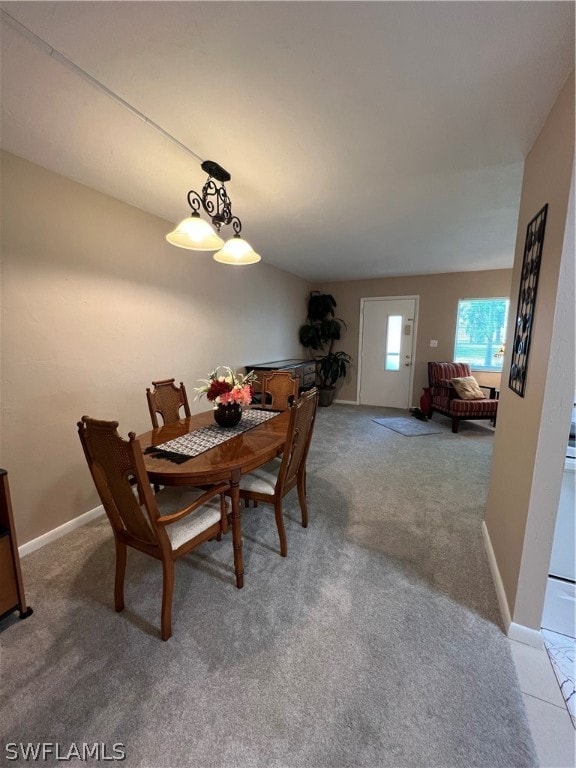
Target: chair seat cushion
x: 171, y: 500
x: 263, y: 479
x: 467, y: 388
x: 477, y: 408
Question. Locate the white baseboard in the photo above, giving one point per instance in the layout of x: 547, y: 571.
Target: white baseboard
x: 514, y: 631
x: 57, y: 533
x: 526, y: 635
x: 497, y: 579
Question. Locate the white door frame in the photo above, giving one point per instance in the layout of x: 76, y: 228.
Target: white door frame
x: 415, y: 336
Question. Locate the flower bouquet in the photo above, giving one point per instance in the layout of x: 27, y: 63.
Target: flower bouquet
x: 229, y: 391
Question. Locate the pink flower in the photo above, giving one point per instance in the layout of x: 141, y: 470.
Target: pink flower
x: 245, y: 395
x: 238, y: 394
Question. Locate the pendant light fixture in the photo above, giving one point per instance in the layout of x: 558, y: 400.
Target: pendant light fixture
x: 196, y: 234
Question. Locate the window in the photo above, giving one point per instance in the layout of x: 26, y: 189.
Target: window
x: 393, y: 341
x: 480, y: 333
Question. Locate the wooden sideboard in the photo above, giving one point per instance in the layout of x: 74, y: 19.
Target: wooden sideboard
x: 11, y: 586
x: 304, y: 370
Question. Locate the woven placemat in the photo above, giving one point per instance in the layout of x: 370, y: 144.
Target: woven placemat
x: 202, y: 439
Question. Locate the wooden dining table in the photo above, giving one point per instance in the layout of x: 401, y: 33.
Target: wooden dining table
x: 227, y: 461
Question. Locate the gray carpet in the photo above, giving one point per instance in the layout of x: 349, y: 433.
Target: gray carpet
x: 376, y: 643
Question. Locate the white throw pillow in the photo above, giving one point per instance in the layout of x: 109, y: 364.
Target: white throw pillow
x: 467, y: 388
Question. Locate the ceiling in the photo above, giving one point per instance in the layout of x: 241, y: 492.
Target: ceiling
x: 364, y: 139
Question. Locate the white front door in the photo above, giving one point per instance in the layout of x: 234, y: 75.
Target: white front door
x: 387, y: 328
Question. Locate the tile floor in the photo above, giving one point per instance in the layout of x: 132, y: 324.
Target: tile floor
x: 562, y: 651
x: 550, y: 722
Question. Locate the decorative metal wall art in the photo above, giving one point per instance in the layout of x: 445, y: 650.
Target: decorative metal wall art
x: 527, y: 301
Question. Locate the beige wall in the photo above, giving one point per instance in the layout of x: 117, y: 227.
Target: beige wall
x: 530, y: 442
x: 438, y: 307
x: 95, y: 305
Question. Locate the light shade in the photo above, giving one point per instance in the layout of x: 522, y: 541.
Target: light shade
x: 195, y: 234
x: 237, y: 251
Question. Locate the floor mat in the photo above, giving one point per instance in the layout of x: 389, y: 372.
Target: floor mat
x: 409, y: 427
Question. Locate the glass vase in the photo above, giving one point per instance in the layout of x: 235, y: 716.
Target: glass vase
x: 228, y: 414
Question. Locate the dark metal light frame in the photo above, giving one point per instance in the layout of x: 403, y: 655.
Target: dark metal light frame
x: 214, y: 199
x: 196, y: 234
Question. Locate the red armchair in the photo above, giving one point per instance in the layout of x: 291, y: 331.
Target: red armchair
x: 446, y: 400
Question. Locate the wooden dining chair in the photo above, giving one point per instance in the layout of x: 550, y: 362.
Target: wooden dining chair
x: 166, y: 525
x: 279, y: 389
x: 167, y: 399
x: 271, y: 482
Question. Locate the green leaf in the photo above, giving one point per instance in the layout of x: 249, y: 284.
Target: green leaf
x: 320, y: 305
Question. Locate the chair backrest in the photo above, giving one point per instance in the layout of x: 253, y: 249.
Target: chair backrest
x: 117, y: 466
x: 438, y: 372
x: 166, y: 399
x: 279, y: 389
x: 300, y: 428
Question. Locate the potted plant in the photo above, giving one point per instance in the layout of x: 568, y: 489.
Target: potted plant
x: 319, y: 333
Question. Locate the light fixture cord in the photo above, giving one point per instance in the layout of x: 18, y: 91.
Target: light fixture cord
x: 58, y: 56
